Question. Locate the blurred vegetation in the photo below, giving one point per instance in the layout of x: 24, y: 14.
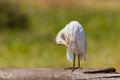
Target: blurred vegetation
x: 36, y: 47
x: 12, y: 17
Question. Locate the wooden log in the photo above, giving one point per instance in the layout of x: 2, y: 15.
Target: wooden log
x: 58, y: 74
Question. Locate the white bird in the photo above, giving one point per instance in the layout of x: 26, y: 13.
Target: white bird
x: 73, y: 37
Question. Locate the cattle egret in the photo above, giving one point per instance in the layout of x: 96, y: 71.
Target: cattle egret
x: 73, y: 37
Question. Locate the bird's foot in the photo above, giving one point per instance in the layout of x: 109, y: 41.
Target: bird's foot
x: 73, y: 68
x: 79, y: 68
x: 76, y: 68
x: 68, y: 68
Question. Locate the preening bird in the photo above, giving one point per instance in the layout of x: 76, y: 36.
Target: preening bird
x: 73, y: 37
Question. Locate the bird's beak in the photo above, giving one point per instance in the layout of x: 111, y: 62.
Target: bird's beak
x: 66, y: 45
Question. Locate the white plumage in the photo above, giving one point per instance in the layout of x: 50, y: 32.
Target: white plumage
x: 73, y: 37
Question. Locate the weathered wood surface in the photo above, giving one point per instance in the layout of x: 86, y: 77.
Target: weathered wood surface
x: 58, y: 74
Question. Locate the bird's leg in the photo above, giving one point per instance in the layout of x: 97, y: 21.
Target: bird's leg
x: 78, y: 61
x: 73, y: 62
x: 73, y: 67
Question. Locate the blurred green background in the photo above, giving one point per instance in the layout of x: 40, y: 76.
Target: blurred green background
x: 28, y: 29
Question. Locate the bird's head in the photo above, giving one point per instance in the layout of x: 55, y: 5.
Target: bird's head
x: 61, y: 42
x: 61, y: 39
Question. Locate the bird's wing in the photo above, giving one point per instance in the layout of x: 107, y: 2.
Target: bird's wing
x: 81, y: 41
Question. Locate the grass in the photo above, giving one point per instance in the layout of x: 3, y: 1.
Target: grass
x: 37, y: 47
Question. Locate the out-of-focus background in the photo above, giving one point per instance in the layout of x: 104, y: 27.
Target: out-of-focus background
x: 28, y: 29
